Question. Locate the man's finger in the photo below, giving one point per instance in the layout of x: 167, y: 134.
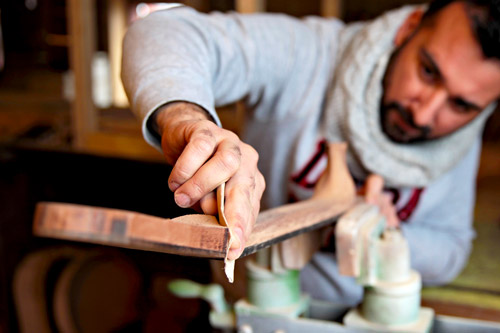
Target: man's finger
x: 218, y: 169
x: 243, y: 206
x: 198, y: 150
x: 389, y: 210
x: 237, y: 246
x: 239, y: 213
x: 374, y: 188
x: 208, y: 204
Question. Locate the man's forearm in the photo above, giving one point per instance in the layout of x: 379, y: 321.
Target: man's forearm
x: 181, y: 110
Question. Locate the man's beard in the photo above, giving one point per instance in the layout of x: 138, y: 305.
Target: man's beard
x: 398, y: 134
x: 394, y: 132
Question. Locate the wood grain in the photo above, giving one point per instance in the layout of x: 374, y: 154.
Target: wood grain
x: 190, y: 235
x: 278, y: 224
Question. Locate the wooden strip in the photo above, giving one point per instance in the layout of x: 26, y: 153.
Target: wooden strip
x: 190, y: 235
x: 462, y: 310
x: 284, y: 222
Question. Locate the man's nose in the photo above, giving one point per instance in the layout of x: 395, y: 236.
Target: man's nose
x: 425, y: 114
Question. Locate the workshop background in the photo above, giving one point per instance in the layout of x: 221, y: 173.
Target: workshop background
x: 67, y: 135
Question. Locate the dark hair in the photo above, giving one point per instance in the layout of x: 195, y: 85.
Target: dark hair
x: 485, y: 21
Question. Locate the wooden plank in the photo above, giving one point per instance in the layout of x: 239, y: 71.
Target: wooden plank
x: 201, y: 235
x: 190, y: 235
x: 284, y: 222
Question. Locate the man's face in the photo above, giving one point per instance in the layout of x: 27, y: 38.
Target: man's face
x: 438, y: 80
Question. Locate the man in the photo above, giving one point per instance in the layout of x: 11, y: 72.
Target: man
x: 409, y: 91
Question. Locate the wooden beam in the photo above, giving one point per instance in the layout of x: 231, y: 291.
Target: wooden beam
x: 250, y: 6
x: 117, y: 25
x: 82, y: 39
x: 331, y: 8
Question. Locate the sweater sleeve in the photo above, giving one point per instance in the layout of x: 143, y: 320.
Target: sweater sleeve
x: 211, y: 60
x: 441, y: 231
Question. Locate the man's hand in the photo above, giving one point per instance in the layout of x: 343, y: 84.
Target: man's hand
x: 374, y: 194
x: 204, y: 156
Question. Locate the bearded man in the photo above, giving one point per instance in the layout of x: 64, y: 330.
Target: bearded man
x: 409, y: 92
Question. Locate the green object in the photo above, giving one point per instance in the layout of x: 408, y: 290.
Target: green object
x: 270, y: 290
x: 397, y: 304
x: 221, y: 316
x: 212, y: 293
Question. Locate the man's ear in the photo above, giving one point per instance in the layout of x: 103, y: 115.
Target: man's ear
x: 408, y: 27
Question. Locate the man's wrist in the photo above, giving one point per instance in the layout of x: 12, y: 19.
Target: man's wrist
x: 152, y: 125
x: 174, y: 110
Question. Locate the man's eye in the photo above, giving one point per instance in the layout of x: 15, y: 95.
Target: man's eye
x: 460, y: 106
x: 427, y: 72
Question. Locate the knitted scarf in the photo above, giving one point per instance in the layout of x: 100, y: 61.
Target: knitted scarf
x: 353, y: 112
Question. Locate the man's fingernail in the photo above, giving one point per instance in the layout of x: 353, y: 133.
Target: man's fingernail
x: 173, y: 186
x: 233, y: 254
x: 182, y: 200
x: 239, y: 234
